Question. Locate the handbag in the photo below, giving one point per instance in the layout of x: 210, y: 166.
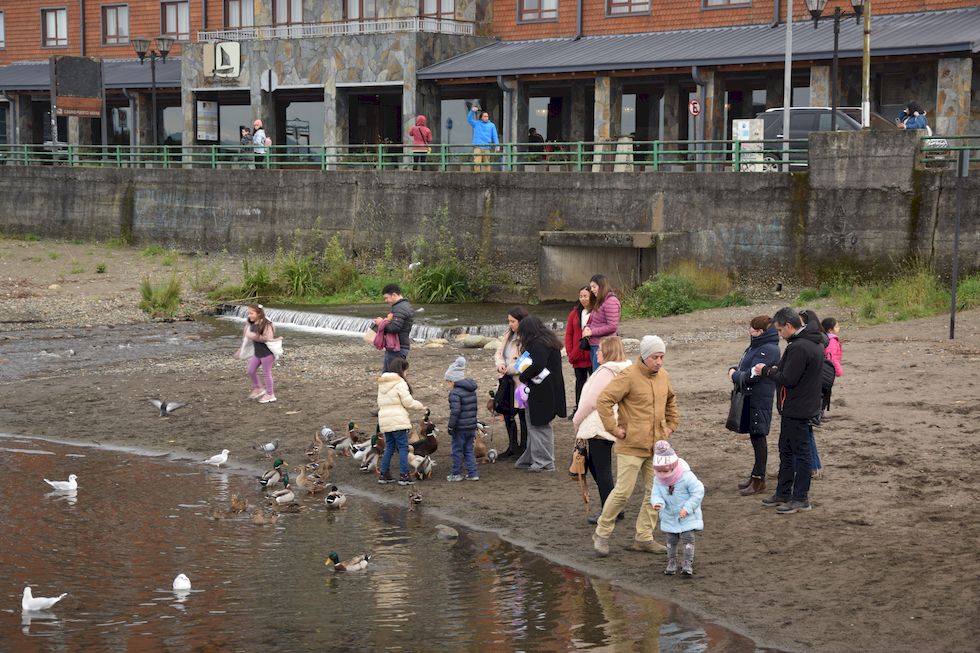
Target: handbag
x: 583, y: 344
x: 734, y: 421
x: 578, y: 462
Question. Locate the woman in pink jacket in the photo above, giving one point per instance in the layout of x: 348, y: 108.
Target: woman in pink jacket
x: 421, y: 140
x: 604, y: 320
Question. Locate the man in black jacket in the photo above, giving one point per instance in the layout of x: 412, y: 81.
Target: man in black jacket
x: 798, y: 380
x: 402, y: 318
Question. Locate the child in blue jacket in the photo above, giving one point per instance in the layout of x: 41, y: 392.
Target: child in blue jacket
x: 676, y: 495
x: 462, y: 421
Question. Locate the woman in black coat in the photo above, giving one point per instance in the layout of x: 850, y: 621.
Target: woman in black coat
x: 546, y: 396
x: 759, y: 392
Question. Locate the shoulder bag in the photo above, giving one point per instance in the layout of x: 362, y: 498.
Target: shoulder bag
x: 734, y: 421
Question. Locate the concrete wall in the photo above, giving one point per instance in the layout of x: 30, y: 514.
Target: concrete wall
x: 863, y: 203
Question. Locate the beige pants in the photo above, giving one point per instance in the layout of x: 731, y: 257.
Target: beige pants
x: 627, y: 469
x: 481, y: 157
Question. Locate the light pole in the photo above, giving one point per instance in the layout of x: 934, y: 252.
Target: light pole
x: 143, y: 51
x: 816, y: 9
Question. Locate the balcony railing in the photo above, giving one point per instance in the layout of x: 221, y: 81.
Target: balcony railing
x: 340, y: 28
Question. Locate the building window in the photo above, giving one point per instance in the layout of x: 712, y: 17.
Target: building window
x: 538, y: 10
x: 115, y: 25
x: 54, y: 28
x: 627, y: 7
x: 439, y: 8
x: 239, y: 13
x: 361, y: 9
x: 3, y: 37
x: 288, y: 12
x: 726, y: 3
x: 175, y: 20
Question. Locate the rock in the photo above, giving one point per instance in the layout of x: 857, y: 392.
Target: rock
x: 433, y: 345
x: 631, y: 343
x: 474, y: 342
x: 54, y: 286
x: 438, y: 341
x: 493, y: 345
x: 444, y: 532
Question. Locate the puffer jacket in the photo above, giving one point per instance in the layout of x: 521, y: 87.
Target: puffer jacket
x: 757, y: 410
x: 647, y: 408
x: 462, y: 407
x: 604, y: 320
x: 688, y: 494
x: 402, y: 319
x: 421, y: 135
x: 394, y: 402
x: 798, y: 375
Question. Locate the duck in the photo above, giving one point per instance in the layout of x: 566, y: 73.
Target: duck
x: 238, y: 504
x: 273, y: 476
x: 260, y: 518
x: 414, y: 498
x: 285, y: 495
x: 424, y: 442
x: 313, y: 451
x: 355, y: 434
x: 421, y: 465
x: 316, y: 484
x: 335, y: 498
x: 354, y: 564
x: 302, y: 479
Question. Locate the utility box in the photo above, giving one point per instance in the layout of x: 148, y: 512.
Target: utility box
x: 748, y: 133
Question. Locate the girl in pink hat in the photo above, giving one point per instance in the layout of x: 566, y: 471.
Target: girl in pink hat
x: 676, y: 495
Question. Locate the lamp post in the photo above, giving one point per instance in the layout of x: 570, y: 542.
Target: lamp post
x: 143, y: 51
x: 816, y: 9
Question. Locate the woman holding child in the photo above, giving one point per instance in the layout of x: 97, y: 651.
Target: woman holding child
x: 503, y: 399
x: 546, y: 393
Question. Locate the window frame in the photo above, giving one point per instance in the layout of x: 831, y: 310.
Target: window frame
x: 628, y: 3
x: 175, y: 34
x: 525, y: 15
x: 290, y: 19
x: 241, y: 5
x: 360, y: 7
x: 117, y: 39
x: 3, y: 31
x: 727, y: 4
x: 439, y: 13
x: 56, y: 44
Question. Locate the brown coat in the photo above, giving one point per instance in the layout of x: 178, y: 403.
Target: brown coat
x: 647, y: 408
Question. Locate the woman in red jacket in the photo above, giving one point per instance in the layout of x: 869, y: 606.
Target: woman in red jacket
x: 580, y: 359
x: 421, y: 142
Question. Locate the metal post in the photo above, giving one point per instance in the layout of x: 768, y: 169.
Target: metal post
x: 866, y: 69
x: 787, y: 83
x: 834, y: 86
x: 962, y: 172
x: 153, y: 96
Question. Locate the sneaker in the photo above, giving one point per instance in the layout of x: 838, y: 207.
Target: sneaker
x: 267, y: 399
x: 601, y: 545
x: 255, y: 394
x: 405, y: 479
x: 452, y: 478
x: 793, y: 506
x: 687, y: 569
x: 648, y: 546
x: 774, y: 500
x: 671, y: 567
x: 472, y: 478
x: 384, y: 479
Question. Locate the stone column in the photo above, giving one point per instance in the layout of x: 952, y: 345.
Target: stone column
x: 24, y: 126
x: 607, y: 108
x: 774, y: 90
x: 672, y: 113
x: 820, y: 85
x: 79, y: 131
x: 953, y: 91
x: 143, y: 127
x: 427, y: 103
x: 574, y: 114
x: 714, y: 106
x: 520, y: 107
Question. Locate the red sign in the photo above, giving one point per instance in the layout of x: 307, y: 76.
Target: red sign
x: 694, y: 108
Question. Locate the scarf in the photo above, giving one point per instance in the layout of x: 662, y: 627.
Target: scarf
x: 670, y: 478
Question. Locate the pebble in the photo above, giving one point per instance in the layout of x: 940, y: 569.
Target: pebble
x: 444, y: 532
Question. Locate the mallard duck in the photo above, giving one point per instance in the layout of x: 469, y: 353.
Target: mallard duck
x: 238, y: 504
x: 355, y: 434
x: 360, y: 450
x: 414, y: 498
x: 273, y: 476
x: 313, y: 451
x: 283, y: 496
x: 421, y: 465
x: 424, y: 442
x: 335, y: 498
x: 302, y: 479
x: 316, y: 484
x: 354, y: 564
x: 264, y: 518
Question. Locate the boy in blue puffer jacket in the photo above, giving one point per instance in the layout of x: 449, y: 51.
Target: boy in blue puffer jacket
x: 676, y: 495
x: 462, y: 421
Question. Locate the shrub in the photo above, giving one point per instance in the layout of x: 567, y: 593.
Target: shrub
x: 337, y: 273
x: 168, y: 259
x: 160, y: 300
x: 256, y: 279
x: 205, y: 278
x: 296, y: 274
x: 968, y: 293
x: 664, y: 294
x: 440, y: 284
x: 100, y: 268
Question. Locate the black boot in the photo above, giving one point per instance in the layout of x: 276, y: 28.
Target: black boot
x: 512, y: 448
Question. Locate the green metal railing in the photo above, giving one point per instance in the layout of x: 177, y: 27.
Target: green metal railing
x: 581, y: 156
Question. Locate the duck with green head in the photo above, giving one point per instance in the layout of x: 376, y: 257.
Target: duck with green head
x: 354, y: 564
x: 270, y: 478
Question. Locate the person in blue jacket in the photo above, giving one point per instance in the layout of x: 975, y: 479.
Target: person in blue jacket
x: 757, y: 410
x: 462, y: 421
x: 913, y: 117
x: 485, y: 139
x: 676, y: 494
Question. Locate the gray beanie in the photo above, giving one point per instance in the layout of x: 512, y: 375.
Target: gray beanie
x: 651, y: 345
x: 457, y: 370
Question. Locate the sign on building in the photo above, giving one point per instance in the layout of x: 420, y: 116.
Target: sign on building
x: 223, y: 59
x: 76, y: 85
x: 748, y: 133
x: 207, y: 121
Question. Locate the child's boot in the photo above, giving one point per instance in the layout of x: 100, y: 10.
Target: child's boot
x: 671, y: 559
x: 687, y: 567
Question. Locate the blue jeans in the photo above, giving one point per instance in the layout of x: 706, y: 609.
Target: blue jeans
x: 593, y: 352
x: 463, y: 452
x: 390, y: 356
x: 814, y: 456
x: 794, y: 458
x: 395, y: 440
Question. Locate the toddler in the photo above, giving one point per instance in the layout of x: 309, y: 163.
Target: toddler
x: 676, y: 495
x: 462, y: 421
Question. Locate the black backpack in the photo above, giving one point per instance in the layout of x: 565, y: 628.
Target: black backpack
x: 827, y: 375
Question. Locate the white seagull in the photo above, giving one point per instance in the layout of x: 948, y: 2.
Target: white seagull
x: 182, y: 583
x: 31, y: 604
x: 218, y: 459
x: 64, y: 486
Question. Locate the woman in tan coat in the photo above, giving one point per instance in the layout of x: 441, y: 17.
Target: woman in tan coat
x: 503, y: 399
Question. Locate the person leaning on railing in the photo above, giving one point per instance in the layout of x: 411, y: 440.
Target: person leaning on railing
x: 485, y: 139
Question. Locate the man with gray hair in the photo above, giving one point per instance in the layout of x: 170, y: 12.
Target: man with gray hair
x: 646, y: 411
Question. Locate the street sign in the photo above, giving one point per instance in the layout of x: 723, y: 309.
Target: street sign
x: 694, y: 107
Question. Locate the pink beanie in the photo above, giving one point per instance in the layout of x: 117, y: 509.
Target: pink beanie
x: 664, y: 458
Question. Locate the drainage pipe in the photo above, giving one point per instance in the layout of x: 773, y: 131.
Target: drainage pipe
x: 702, y: 84
x: 775, y: 13
x: 506, y: 136
x: 578, y: 19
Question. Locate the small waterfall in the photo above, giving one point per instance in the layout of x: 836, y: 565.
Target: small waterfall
x: 345, y: 325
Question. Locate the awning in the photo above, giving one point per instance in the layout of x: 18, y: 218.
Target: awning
x: 35, y: 76
x: 935, y: 32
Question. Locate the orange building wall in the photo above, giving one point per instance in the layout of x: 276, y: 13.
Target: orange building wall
x: 23, y: 28
x: 667, y: 15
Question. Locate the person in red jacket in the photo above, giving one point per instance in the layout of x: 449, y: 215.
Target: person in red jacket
x: 580, y: 359
x: 421, y: 140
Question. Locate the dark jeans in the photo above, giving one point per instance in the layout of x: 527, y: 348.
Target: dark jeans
x: 761, y: 455
x: 593, y: 351
x: 582, y: 375
x: 390, y: 356
x: 600, y: 466
x: 463, y: 456
x: 395, y: 440
x: 814, y: 455
x: 794, y: 458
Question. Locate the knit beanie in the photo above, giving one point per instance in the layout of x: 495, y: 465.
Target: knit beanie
x: 457, y: 370
x: 651, y: 345
x: 664, y: 458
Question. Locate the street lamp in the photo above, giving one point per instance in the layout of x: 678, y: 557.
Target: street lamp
x: 143, y: 51
x: 816, y: 9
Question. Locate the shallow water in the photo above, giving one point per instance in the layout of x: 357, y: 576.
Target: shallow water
x: 137, y: 521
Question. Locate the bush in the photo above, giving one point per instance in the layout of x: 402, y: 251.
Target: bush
x: 205, y: 278
x: 662, y: 295
x: 160, y: 301
x: 296, y: 274
x: 256, y: 280
x: 968, y: 293
x: 337, y: 273
x: 100, y: 268
x: 153, y: 250
x: 440, y: 284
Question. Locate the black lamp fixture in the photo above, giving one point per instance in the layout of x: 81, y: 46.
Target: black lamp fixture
x: 816, y: 7
x: 143, y: 49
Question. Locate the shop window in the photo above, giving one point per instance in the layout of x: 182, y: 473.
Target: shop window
x: 439, y: 9
x: 288, y: 12
x: 115, y: 25
x: 361, y: 9
x: 538, y: 10
x: 239, y: 13
x: 54, y: 28
x: 175, y: 20
x: 627, y: 7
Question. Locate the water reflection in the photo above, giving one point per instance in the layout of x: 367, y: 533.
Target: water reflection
x: 142, y: 520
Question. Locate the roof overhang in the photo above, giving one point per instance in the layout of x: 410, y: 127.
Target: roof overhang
x: 36, y: 75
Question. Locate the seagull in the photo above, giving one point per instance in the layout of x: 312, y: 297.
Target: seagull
x: 166, y: 407
x: 31, y: 604
x: 268, y: 447
x: 64, y: 486
x: 218, y: 459
x: 182, y: 583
